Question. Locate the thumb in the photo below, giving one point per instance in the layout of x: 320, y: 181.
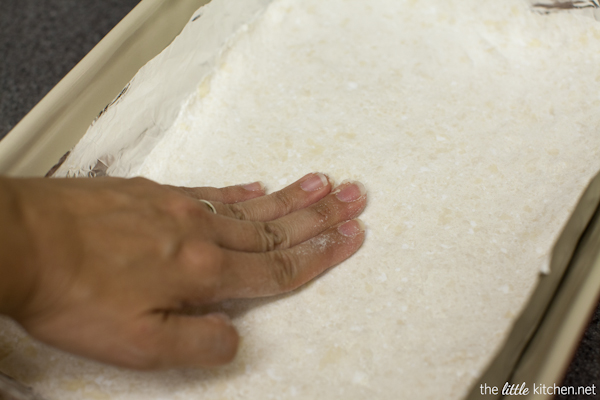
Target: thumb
x: 189, y: 341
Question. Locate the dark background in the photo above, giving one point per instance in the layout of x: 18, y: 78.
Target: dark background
x: 41, y: 40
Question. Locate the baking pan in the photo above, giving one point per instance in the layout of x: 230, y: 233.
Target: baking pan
x: 62, y: 117
x: 545, y: 335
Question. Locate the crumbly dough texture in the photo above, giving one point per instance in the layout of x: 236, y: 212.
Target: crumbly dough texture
x: 474, y: 126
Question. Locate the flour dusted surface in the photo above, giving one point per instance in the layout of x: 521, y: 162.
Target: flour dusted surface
x: 474, y: 126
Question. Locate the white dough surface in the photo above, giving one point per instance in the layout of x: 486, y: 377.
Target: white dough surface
x: 474, y: 126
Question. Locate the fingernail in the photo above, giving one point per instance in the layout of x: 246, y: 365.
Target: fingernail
x: 314, y: 182
x: 351, y: 192
x: 254, y: 186
x: 352, y: 228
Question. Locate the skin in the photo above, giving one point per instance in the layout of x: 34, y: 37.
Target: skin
x: 103, y: 267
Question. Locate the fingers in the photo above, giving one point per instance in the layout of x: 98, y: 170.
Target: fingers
x: 247, y: 275
x: 347, y: 202
x: 211, y: 340
x: 184, y: 341
x: 296, y: 196
x: 226, y: 195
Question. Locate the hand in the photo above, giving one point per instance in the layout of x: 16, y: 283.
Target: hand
x: 111, y: 261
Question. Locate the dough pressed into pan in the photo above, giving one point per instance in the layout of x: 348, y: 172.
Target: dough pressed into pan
x: 474, y: 126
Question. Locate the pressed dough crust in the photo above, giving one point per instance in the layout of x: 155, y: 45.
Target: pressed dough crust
x: 473, y: 125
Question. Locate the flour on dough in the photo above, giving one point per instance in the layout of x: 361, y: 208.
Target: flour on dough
x: 473, y: 125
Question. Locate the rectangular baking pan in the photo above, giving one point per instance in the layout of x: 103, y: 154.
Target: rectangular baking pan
x: 62, y: 117
x: 543, y: 338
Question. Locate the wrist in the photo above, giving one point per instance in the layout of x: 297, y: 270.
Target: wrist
x: 16, y: 258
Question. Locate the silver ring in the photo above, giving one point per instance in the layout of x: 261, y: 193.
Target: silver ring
x: 209, y: 204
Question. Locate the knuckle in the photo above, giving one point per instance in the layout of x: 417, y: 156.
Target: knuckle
x: 238, y: 212
x: 284, y: 201
x: 324, y: 210
x: 172, y: 202
x: 274, y: 236
x: 179, y: 205
x: 201, y: 262
x: 284, y: 270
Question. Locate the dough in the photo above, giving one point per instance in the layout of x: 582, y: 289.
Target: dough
x: 474, y: 126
